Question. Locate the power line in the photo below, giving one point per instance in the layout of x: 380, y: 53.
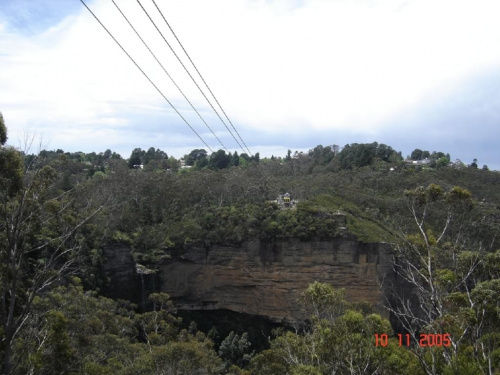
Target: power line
x: 156, y: 87
x: 194, y: 81
x: 185, y: 97
x: 192, y: 63
x: 180, y: 61
x: 145, y: 75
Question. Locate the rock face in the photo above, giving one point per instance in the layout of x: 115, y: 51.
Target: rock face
x: 120, y: 270
x: 267, y: 279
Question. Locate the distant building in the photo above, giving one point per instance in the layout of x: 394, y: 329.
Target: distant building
x: 409, y: 162
x: 285, y: 200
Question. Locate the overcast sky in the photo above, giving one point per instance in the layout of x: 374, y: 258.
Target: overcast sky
x: 290, y: 74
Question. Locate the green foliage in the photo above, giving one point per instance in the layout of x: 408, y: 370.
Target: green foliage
x: 150, y: 159
x: 121, y: 237
x: 235, y: 224
x: 40, y: 237
x: 77, y: 332
x: 58, y: 353
x: 322, y: 155
x: 189, y: 357
x: 359, y: 222
x: 12, y: 171
x: 194, y: 156
x: 340, y: 340
x: 269, y: 362
x: 159, y: 212
x: 360, y: 155
x: 3, y: 131
x: 219, y: 160
x: 136, y: 158
x: 235, y: 350
x: 447, y: 272
x: 235, y: 160
x: 321, y: 301
x: 159, y: 326
x: 418, y: 154
x: 436, y: 159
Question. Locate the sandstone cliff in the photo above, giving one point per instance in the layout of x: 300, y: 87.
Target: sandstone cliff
x: 267, y: 279
x: 119, y: 271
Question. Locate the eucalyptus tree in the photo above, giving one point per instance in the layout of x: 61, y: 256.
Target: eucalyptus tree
x: 3, y: 131
x: 39, y: 241
x: 440, y: 287
x: 338, y: 340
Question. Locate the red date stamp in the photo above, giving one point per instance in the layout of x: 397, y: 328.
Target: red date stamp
x: 425, y: 339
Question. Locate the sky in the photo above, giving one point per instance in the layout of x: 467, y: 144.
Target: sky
x: 290, y: 74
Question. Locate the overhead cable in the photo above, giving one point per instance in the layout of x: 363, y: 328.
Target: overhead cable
x: 187, y: 71
x: 151, y: 52
x: 197, y: 71
x: 222, y: 109
x: 194, y: 81
x: 145, y: 75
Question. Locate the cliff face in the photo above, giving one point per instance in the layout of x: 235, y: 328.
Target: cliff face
x: 267, y: 279
x: 119, y: 269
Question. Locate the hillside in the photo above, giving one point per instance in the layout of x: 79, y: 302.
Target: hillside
x: 65, y: 215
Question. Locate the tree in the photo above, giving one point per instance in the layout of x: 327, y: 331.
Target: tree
x: 3, y: 131
x: 435, y: 267
x: 441, y: 162
x: 159, y: 326
x: 160, y: 155
x: 107, y: 154
x: 115, y: 156
x: 190, y: 356
x: 322, y: 301
x: 339, y: 340
x: 201, y: 162
x: 235, y: 350
x: 38, y: 242
x: 360, y: 155
x: 219, y: 160
x: 136, y: 157
x: 11, y: 173
x: 269, y: 362
x: 321, y: 155
x: 149, y: 155
x: 153, y: 155
x: 194, y: 156
x: 235, y: 160
x: 418, y: 154
x: 243, y: 162
x: 58, y: 354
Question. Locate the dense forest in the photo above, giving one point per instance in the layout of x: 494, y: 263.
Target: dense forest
x: 59, y: 210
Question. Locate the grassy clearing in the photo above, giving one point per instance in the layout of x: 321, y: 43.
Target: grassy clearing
x: 359, y: 222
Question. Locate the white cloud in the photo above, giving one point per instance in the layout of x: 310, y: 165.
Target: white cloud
x: 337, y: 63
x: 301, y: 66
